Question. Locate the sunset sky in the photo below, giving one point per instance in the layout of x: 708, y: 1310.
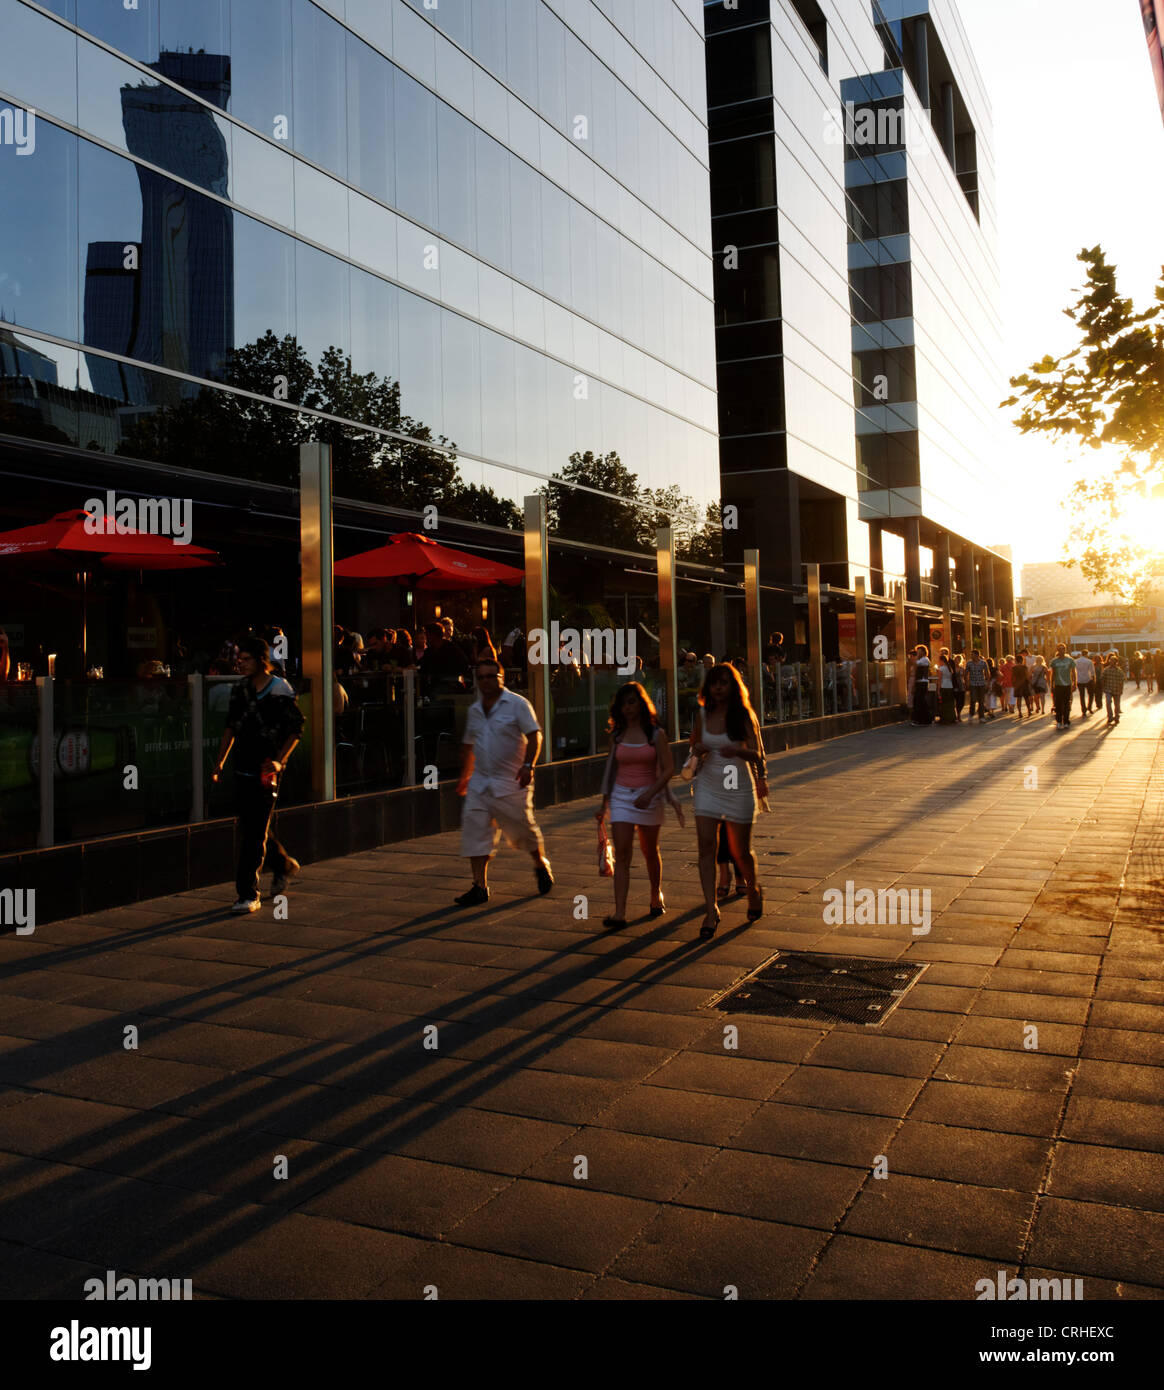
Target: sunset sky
x: 1079, y: 148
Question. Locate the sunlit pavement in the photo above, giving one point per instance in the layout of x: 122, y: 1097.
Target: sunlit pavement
x: 575, y: 1127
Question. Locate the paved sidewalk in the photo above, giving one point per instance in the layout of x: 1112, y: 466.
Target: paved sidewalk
x: 268, y: 1047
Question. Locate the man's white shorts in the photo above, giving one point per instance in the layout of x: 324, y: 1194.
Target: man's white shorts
x: 486, y: 816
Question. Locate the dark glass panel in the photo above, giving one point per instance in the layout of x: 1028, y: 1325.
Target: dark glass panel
x: 322, y: 315
x: 751, y: 396
x: 371, y: 162
x: 416, y: 156
x: 264, y: 272
x: 739, y: 66
x: 133, y: 32
x: 493, y: 200
x: 456, y: 176
x: 319, y: 126
x: 260, y: 66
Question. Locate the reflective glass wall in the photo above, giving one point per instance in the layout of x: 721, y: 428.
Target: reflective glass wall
x: 482, y: 231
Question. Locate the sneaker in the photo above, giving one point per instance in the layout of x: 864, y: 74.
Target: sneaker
x: 544, y: 877
x: 246, y: 905
x: 474, y: 897
x: 280, y: 881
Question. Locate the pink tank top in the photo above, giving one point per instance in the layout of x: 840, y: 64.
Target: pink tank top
x: 635, y: 764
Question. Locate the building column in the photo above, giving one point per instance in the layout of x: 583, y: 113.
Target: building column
x: 755, y: 638
x: 921, y: 44
x: 815, y: 640
x: 876, y: 561
x: 668, y: 652
x: 948, y: 118
x: 537, y: 612
x: 912, y: 536
x: 315, y: 550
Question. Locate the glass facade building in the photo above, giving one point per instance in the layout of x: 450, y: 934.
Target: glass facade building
x: 483, y: 225
x: 857, y: 294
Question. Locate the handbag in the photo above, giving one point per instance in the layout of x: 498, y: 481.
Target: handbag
x: 605, y: 853
x: 691, y: 766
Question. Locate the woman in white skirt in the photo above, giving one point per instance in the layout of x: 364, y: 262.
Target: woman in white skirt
x: 727, y: 737
x: 634, y: 791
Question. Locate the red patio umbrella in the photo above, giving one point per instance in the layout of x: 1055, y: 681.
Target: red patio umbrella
x: 64, y: 542
x: 421, y: 563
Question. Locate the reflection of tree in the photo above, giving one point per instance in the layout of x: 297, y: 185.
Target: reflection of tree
x: 219, y: 431
x: 584, y: 516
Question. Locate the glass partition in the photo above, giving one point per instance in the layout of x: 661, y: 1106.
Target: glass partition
x: 19, y: 788
x: 123, y: 758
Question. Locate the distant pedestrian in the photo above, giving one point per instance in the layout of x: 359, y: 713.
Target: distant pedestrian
x: 960, y: 687
x: 1150, y: 664
x: 1085, y: 680
x: 922, y: 713
x: 977, y: 675
x: 263, y: 725
x: 499, y: 748
x: 1063, y: 680
x: 733, y: 775
x: 1136, y: 667
x: 947, y: 685
x: 1006, y: 680
x: 1039, y: 678
x: 634, y: 794
x: 1020, y: 679
x: 1113, y: 680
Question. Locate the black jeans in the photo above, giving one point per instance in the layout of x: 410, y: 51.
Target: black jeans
x: 1113, y: 703
x: 1061, y: 694
x: 977, y: 701
x: 255, y: 807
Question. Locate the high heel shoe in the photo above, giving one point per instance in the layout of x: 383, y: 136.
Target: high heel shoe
x: 755, y: 913
x: 707, y: 932
x: 658, y: 911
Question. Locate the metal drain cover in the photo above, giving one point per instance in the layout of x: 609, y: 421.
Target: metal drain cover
x: 825, y: 989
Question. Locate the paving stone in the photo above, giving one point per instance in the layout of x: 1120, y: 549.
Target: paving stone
x: 1008, y: 1034
x: 875, y: 1052
x: 961, y: 1218
x: 1126, y: 1124
x: 404, y: 1194
x: 988, y: 1107
x: 976, y: 1156
x: 1015, y: 1069
x: 458, y: 1273
x: 1112, y: 1242
x: 831, y: 1136
x: 726, y: 1074
x: 1119, y: 1081
x: 1119, y: 1045
x: 303, y: 1257
x: 706, y: 1253
x: 688, y: 1116
x: 849, y: 1090
x: 769, y: 1188
x: 856, y: 1268
x: 571, y: 1227
x: 1117, y: 1176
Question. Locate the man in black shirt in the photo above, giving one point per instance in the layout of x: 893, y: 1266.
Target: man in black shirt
x: 443, y: 666
x: 263, y: 724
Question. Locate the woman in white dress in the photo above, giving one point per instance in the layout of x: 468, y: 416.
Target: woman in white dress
x: 634, y: 789
x: 732, y: 775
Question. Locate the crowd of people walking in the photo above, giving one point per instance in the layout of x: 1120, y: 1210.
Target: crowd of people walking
x: 987, y: 689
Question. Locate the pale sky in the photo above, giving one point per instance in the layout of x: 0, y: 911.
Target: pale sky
x: 1079, y: 149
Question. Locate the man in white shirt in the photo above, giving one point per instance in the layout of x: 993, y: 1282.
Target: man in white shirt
x: 1085, y: 674
x: 500, y: 745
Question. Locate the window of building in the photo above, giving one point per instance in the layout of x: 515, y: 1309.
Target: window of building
x: 812, y: 17
x: 878, y: 210
x: 886, y: 375
x: 881, y: 292
x: 743, y: 175
x: 739, y: 66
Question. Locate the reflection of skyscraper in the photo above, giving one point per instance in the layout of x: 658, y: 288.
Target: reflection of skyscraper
x: 175, y: 305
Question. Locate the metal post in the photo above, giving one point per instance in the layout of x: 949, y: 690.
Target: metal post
x: 668, y: 638
x: 968, y: 628
x: 537, y: 611
x: 901, y: 664
x: 986, y: 632
x: 998, y: 632
x: 815, y: 640
x: 48, y: 759
x: 755, y: 639
x: 593, y: 711
x: 198, y: 759
x: 316, y: 570
x: 410, y: 726
x: 861, y: 623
